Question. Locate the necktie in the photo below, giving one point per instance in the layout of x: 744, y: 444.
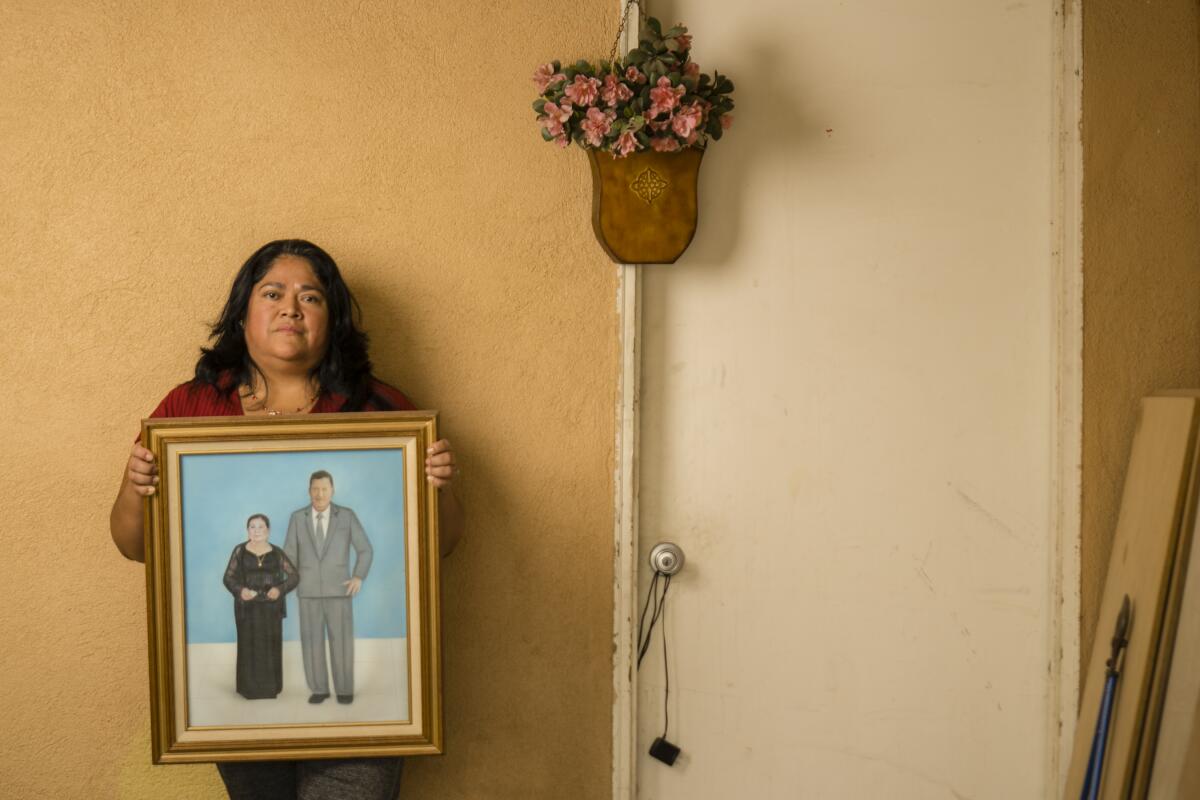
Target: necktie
x: 321, y: 527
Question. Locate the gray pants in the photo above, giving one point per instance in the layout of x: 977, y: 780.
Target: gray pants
x: 338, y: 779
x: 332, y: 617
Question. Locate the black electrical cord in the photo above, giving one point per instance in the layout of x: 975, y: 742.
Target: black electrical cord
x: 666, y: 672
x: 645, y: 632
x: 660, y: 603
x: 641, y: 637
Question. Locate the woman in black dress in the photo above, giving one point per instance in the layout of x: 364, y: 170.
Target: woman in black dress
x: 258, y: 576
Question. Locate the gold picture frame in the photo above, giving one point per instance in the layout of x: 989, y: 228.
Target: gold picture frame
x: 216, y: 656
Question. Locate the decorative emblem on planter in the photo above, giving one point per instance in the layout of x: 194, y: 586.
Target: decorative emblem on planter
x: 648, y: 185
x: 645, y: 122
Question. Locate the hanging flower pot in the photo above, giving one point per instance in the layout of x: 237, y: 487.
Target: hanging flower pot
x: 644, y: 205
x: 645, y: 122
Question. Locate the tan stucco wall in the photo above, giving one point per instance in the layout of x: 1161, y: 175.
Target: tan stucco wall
x: 1141, y: 244
x: 146, y: 149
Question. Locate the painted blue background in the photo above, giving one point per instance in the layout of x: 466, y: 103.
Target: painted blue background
x: 221, y: 490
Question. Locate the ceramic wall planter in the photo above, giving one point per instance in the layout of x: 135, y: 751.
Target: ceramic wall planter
x: 644, y: 205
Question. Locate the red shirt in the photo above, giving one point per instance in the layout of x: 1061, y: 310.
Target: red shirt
x: 208, y: 401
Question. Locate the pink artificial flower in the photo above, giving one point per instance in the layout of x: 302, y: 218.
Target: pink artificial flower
x: 727, y: 121
x: 562, y: 140
x: 583, y: 91
x: 544, y: 77
x: 561, y: 112
x: 685, y: 120
x: 614, y: 91
x: 664, y: 97
x: 691, y: 70
x: 664, y: 144
x: 626, y: 143
x: 691, y: 140
x: 597, y: 125
x: 684, y: 39
x: 556, y: 116
x: 660, y: 125
x: 634, y: 75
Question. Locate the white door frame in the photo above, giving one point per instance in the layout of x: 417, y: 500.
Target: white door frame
x: 625, y: 513
x: 1066, y: 447
x: 1067, y: 261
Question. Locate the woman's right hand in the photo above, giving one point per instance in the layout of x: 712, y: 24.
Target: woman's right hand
x: 142, y: 472
x: 249, y: 594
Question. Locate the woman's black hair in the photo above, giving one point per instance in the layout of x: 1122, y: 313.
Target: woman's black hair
x: 346, y: 367
x: 253, y: 517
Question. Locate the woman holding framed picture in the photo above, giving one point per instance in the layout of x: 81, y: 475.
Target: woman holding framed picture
x: 287, y: 342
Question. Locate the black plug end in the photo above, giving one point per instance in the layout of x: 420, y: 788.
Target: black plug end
x: 664, y: 751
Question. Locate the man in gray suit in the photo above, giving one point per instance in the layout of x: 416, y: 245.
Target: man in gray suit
x: 319, y: 538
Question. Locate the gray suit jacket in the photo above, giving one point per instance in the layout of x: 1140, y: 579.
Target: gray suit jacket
x: 325, y: 570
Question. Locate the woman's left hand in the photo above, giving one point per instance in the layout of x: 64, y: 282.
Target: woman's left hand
x: 272, y: 593
x: 439, y: 464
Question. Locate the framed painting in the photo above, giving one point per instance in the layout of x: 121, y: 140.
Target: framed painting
x: 292, y: 588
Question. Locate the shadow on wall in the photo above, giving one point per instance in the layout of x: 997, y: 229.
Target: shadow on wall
x: 384, y: 321
x: 392, y: 346
x: 768, y: 122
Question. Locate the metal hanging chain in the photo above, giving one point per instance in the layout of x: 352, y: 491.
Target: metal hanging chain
x: 612, y: 54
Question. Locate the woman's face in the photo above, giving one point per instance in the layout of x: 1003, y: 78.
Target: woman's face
x: 287, y: 319
x: 257, y: 531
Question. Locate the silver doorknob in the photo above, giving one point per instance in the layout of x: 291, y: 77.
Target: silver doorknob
x: 666, y: 558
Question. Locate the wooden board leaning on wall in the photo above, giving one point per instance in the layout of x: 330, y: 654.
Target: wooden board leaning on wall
x: 1149, y: 555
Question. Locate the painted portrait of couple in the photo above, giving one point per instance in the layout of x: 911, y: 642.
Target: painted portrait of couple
x: 312, y: 568
x: 326, y: 557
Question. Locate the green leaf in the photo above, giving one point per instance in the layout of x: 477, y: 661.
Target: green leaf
x: 671, y: 33
x: 717, y: 136
x: 673, y: 46
x: 637, y: 123
x: 674, y: 78
x: 643, y: 138
x: 628, y: 112
x: 635, y: 57
x: 655, y: 26
x: 539, y: 105
x: 582, y: 66
x: 569, y: 73
x: 546, y: 137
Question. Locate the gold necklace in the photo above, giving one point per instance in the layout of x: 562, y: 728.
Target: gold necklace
x: 274, y: 412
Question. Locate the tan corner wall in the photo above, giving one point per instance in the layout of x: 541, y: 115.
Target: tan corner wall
x: 1141, y: 244
x: 146, y: 149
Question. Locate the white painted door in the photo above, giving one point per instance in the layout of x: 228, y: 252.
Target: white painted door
x: 848, y: 411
